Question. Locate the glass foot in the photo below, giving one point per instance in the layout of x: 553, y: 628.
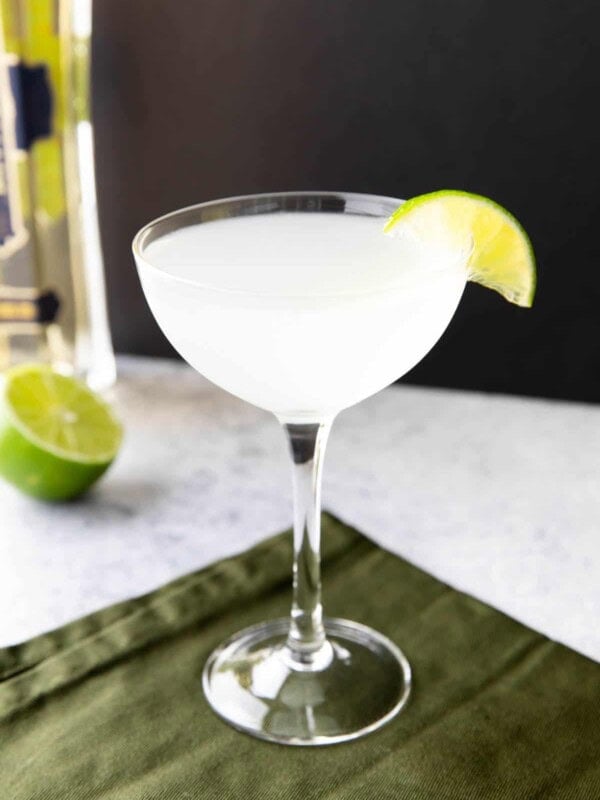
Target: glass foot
x: 358, y: 681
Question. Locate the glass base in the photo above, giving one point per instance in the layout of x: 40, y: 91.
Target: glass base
x: 358, y: 681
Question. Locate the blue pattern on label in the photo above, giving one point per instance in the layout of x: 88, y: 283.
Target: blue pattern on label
x: 33, y: 103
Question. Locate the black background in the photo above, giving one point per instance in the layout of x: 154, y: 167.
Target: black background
x: 197, y: 100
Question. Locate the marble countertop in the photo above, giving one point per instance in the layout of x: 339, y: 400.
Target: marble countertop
x: 497, y: 496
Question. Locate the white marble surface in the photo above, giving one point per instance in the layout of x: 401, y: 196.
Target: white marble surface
x: 497, y: 496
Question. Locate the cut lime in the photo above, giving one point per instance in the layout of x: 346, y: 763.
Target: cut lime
x: 57, y: 437
x: 497, y: 251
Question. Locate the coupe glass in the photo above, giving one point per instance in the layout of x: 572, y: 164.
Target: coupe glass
x: 308, y: 679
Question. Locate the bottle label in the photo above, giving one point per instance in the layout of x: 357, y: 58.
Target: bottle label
x: 12, y: 225
x: 25, y: 116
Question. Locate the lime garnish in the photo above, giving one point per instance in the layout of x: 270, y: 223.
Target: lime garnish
x: 497, y: 251
x: 57, y: 437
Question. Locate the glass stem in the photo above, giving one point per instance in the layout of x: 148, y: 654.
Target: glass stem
x: 306, y: 639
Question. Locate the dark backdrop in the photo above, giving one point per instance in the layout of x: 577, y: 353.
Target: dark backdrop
x: 196, y: 100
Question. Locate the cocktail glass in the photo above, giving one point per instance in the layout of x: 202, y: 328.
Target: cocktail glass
x: 298, y: 303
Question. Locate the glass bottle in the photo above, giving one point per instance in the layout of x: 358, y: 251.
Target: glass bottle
x: 52, y: 291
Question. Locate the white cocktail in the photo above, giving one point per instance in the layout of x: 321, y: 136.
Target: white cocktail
x: 301, y: 313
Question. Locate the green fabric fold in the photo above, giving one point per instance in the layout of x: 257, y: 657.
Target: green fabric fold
x: 110, y: 706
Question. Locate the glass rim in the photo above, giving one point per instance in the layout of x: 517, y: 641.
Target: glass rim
x: 347, y: 202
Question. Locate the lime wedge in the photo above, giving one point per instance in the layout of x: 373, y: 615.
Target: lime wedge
x: 497, y: 251
x: 57, y: 437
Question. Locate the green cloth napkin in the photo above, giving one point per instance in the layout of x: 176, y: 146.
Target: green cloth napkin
x: 110, y: 707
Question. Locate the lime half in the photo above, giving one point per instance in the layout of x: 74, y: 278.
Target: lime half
x: 57, y: 437
x: 497, y: 251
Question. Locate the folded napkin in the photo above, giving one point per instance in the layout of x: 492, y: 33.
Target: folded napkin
x: 110, y: 707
